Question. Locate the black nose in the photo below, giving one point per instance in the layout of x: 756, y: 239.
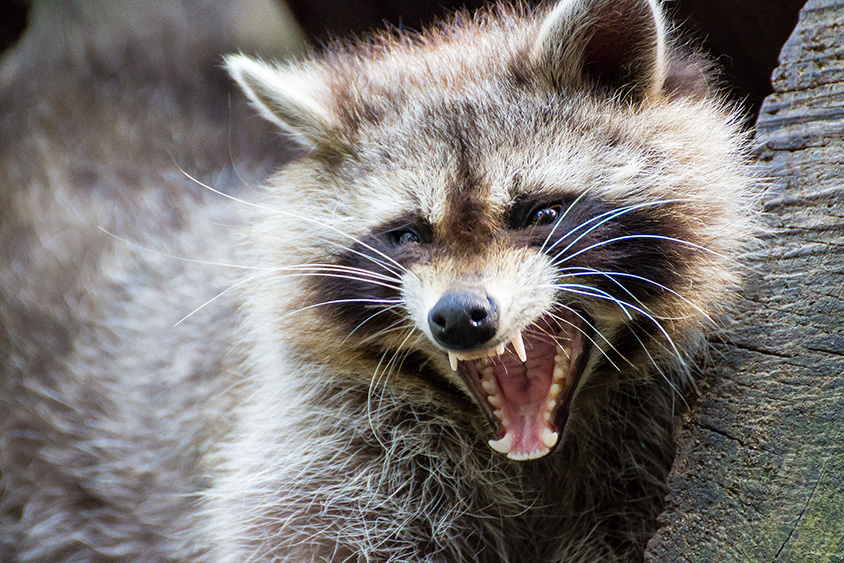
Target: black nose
x: 464, y: 319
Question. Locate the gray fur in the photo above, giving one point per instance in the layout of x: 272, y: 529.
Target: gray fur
x: 108, y: 406
x: 183, y: 393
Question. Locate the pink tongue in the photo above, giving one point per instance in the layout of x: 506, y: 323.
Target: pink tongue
x: 523, y: 383
x: 524, y: 391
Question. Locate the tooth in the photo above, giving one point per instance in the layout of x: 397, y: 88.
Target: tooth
x: 519, y: 346
x: 555, y: 389
x: 503, y: 445
x: 552, y: 404
x: 499, y: 414
x: 535, y: 454
x: 489, y: 385
x: 500, y: 348
x: 452, y: 359
x: 548, y: 437
x: 494, y: 400
x: 562, y: 354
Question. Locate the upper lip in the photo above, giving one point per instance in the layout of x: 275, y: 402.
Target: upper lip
x: 517, y: 342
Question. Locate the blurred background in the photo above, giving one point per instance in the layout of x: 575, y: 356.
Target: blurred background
x: 744, y: 36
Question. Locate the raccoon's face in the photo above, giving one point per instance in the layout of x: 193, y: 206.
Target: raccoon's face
x: 526, y: 268
x: 486, y: 283
x: 519, y: 227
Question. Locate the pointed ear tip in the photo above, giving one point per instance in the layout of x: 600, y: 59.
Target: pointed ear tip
x: 238, y: 65
x: 235, y: 64
x: 231, y: 60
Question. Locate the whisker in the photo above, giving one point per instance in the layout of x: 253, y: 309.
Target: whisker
x: 604, y: 218
x: 374, y: 380
x: 393, y: 327
x: 296, y: 273
x: 671, y: 384
x: 222, y: 293
x: 589, y: 292
x: 398, y: 326
x: 180, y: 258
x: 378, y: 302
x: 347, y: 269
x: 369, y: 396
x: 587, y: 336
x: 595, y: 292
x: 563, y: 216
x: 372, y: 259
x: 631, y: 237
x: 295, y: 216
x: 584, y: 271
x: 343, y: 277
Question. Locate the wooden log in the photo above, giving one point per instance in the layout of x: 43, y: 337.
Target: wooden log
x: 759, y: 473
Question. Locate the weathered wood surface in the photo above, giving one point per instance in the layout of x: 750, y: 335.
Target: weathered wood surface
x: 759, y: 474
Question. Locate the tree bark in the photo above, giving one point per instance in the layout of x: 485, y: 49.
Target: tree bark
x: 759, y: 473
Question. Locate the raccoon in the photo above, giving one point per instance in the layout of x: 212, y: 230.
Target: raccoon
x: 455, y: 326
x: 485, y: 283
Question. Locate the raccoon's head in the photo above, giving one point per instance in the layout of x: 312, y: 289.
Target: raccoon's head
x: 519, y: 205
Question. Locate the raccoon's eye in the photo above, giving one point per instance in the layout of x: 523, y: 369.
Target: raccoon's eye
x: 405, y: 237
x: 544, y: 216
x: 406, y: 230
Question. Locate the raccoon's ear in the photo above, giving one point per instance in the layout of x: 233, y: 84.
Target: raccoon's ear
x: 612, y: 44
x: 288, y: 97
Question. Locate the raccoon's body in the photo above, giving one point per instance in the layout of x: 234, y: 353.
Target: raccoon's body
x: 455, y: 327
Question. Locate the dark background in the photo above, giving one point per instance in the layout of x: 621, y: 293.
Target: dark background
x: 744, y: 36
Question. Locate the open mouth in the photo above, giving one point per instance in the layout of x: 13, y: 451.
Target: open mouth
x: 525, y: 385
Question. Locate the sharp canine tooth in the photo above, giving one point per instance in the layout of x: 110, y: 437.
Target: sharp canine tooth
x: 503, y: 445
x: 548, y: 437
x: 519, y: 346
x: 452, y: 359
